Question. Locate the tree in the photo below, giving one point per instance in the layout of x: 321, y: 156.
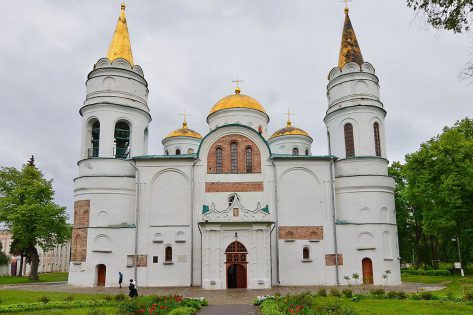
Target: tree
x: 4, y: 259
x: 451, y: 15
x: 28, y: 210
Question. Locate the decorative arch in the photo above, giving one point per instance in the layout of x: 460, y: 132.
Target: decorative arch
x: 366, y: 240
x: 387, y: 246
x: 102, y: 243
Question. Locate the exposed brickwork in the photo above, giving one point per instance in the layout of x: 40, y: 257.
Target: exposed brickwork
x: 330, y: 259
x: 142, y: 260
x: 242, y: 143
x: 79, y: 233
x: 301, y: 232
x: 233, y: 187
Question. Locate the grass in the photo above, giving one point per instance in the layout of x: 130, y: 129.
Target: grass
x: 454, y: 284
x: 16, y: 296
x: 74, y: 311
x: 44, y: 277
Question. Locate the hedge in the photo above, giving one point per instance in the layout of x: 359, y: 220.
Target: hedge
x: 38, y: 306
x: 421, y: 272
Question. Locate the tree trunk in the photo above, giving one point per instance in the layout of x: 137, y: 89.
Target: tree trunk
x: 34, y: 263
x: 21, y: 266
x: 418, y: 236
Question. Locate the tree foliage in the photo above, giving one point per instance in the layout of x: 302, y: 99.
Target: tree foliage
x: 4, y: 259
x: 434, y: 196
x: 28, y: 210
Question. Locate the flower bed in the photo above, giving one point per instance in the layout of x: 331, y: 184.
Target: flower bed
x: 38, y: 306
x: 162, y: 305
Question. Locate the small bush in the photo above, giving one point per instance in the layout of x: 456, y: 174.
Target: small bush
x: 94, y: 311
x: 44, y: 299
x: 270, y: 307
x: 335, y: 293
x: 468, y: 297
x: 427, y: 295
x: 377, y: 292
x: 69, y: 298
x: 401, y: 295
x: 108, y: 298
x: 392, y: 295
x: 348, y: 293
x: 334, y: 307
x: 414, y: 297
x: 183, y: 311
x: 426, y: 272
x: 322, y: 292
x: 120, y: 297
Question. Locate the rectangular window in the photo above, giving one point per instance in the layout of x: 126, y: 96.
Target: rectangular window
x: 218, y: 157
x: 155, y: 259
x: 234, y: 157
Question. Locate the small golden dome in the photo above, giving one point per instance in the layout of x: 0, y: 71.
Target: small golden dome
x: 184, y: 132
x: 289, y: 130
x: 237, y: 100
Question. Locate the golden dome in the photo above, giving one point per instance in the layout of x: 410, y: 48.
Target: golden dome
x: 184, y: 132
x: 237, y: 100
x: 289, y: 130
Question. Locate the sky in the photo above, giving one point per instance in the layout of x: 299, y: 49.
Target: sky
x: 192, y: 50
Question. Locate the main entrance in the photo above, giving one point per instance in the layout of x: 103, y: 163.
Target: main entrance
x: 236, y: 264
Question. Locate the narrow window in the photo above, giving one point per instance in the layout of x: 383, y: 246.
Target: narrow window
x: 234, y: 157
x: 190, y: 151
x: 306, y: 253
x: 218, y: 157
x: 168, y: 254
x: 306, y: 152
x: 249, y: 160
x: 155, y: 259
x: 349, y: 143
x: 166, y: 152
x: 178, y: 151
x: 260, y: 129
x: 94, y: 151
x: 295, y: 151
x: 230, y: 200
x: 122, y: 140
x: 377, y: 144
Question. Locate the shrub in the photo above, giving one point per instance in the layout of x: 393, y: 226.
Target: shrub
x: 44, y: 299
x: 331, y: 306
x: 185, y: 310
x: 94, y: 311
x: 392, y: 295
x: 377, y: 292
x: 69, y: 298
x: 414, y: 297
x: 426, y: 272
x: 322, y: 292
x: 270, y: 307
x: 108, y: 298
x: 401, y: 295
x: 427, y: 295
x: 120, y: 297
x: 348, y: 293
x: 1, y: 300
x: 468, y: 297
x: 260, y: 299
x: 335, y: 293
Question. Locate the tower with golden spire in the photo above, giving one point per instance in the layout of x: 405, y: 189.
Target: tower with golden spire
x: 364, y: 193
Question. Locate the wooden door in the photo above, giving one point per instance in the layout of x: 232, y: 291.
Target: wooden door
x: 236, y: 276
x: 367, y: 267
x: 101, y: 274
x: 240, y: 276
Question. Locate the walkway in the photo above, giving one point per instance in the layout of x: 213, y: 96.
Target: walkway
x: 235, y: 309
x: 215, y: 297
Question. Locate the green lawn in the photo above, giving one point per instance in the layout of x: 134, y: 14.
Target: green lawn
x: 109, y: 310
x: 369, y: 306
x: 16, y: 296
x: 454, y: 284
x: 45, y: 277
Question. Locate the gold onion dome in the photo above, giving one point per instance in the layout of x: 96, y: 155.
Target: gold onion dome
x: 237, y: 100
x: 120, y: 47
x: 184, y: 132
x: 289, y: 130
x: 349, y: 50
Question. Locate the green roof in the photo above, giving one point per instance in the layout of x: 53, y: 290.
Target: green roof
x: 166, y: 157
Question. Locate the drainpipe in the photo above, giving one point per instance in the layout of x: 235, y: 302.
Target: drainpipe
x: 271, y: 253
x: 276, y: 220
x: 137, y: 208
x: 334, y: 217
x: 192, y: 222
x: 201, y: 255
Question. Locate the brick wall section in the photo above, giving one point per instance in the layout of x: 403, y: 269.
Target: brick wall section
x: 142, y: 260
x: 79, y: 232
x: 233, y: 187
x: 242, y: 143
x: 330, y: 259
x: 301, y: 232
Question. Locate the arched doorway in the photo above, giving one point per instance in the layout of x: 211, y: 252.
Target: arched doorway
x: 101, y: 274
x: 236, y: 265
x: 367, y: 267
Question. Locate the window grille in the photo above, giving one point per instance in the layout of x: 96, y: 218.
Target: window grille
x: 249, y: 160
x: 377, y: 144
x: 234, y: 157
x: 218, y: 157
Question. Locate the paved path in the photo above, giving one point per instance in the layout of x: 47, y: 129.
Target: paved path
x: 215, y: 297
x: 235, y: 309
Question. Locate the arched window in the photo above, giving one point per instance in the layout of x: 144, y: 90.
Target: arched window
x: 190, y: 151
x: 234, y: 157
x: 230, y: 200
x: 95, y: 139
x: 166, y: 152
x: 168, y: 254
x: 349, y: 142
x: 306, y: 152
x: 377, y: 143
x: 178, y: 151
x: 122, y: 140
x: 295, y: 151
x: 306, y: 253
x: 249, y: 160
x: 260, y: 129
x: 218, y: 158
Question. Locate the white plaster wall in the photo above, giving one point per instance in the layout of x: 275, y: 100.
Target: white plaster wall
x: 243, y: 116
x: 182, y: 143
x: 285, y: 144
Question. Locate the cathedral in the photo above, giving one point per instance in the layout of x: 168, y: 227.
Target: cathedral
x: 236, y: 207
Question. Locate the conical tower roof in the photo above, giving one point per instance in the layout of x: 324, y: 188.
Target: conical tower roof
x: 120, y: 47
x: 350, y: 50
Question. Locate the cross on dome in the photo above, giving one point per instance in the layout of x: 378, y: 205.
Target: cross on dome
x: 289, y: 114
x: 184, y: 114
x: 346, y: 5
x: 237, y: 81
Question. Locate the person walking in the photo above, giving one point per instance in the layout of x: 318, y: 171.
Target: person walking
x: 120, y: 278
x: 133, y: 291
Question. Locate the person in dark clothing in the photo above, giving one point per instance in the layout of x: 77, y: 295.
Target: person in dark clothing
x: 120, y: 279
x: 133, y: 291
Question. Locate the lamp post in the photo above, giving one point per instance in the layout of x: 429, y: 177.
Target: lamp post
x: 457, y: 239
